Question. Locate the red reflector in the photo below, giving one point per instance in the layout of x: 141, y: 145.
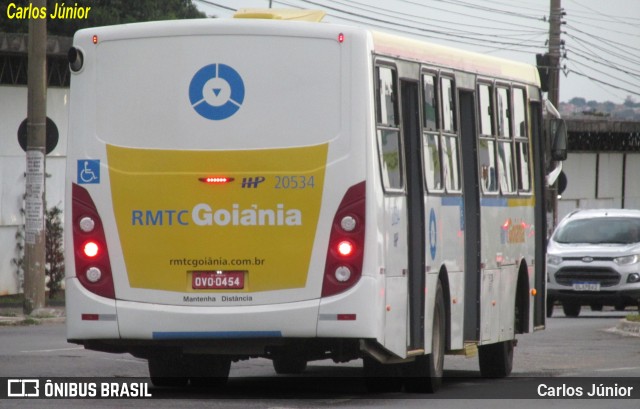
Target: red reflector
x: 345, y: 248
x: 216, y: 180
x: 340, y: 38
x: 90, y: 249
x: 346, y: 317
x: 95, y: 39
x: 90, y: 317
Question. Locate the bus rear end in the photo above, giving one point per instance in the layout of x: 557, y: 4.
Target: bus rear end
x: 217, y: 194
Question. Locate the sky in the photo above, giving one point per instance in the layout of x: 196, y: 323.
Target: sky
x: 601, y: 56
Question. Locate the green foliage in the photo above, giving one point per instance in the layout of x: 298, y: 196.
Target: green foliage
x: 103, y: 13
x: 54, y: 259
x: 54, y: 252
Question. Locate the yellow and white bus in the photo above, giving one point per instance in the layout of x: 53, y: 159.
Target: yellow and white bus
x: 299, y: 191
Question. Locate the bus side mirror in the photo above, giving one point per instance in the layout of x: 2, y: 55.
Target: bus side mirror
x: 559, y: 145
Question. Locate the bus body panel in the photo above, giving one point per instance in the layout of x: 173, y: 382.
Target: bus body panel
x: 88, y: 315
x: 162, y: 223
x: 284, y: 116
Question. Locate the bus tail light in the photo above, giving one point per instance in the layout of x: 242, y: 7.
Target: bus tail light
x: 345, y: 253
x: 91, y: 255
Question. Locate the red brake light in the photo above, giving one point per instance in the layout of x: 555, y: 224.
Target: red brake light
x: 345, y: 248
x: 345, y: 254
x: 90, y: 249
x: 216, y: 180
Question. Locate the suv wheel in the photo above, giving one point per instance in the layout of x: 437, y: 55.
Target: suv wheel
x: 571, y: 309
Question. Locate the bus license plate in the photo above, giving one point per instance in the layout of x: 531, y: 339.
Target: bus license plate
x: 586, y: 286
x: 217, y: 280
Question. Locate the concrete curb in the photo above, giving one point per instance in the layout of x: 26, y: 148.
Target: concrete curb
x: 629, y: 328
x: 15, y: 317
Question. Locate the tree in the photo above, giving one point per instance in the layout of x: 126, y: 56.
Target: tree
x: 577, y: 101
x: 54, y: 267
x: 105, y: 12
x: 630, y: 103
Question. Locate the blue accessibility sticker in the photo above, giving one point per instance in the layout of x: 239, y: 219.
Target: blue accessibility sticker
x: 216, y: 91
x: 88, y: 171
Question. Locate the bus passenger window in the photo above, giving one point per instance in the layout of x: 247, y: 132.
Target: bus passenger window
x: 521, y: 134
x: 390, y: 160
x: 430, y: 103
x: 486, y: 110
x: 502, y: 102
x: 487, y: 160
x: 432, y: 164
x: 520, y: 125
x: 522, y: 162
x: 387, y: 97
x: 448, y: 105
x: 505, y: 167
x: 450, y: 163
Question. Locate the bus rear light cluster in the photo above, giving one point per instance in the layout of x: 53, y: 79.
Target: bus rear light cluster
x: 93, y: 267
x: 345, y: 253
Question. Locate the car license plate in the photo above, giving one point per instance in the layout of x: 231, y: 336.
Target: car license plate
x: 217, y: 280
x: 586, y: 286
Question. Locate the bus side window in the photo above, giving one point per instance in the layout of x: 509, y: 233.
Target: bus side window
x: 386, y: 98
x: 430, y: 135
x: 388, y: 132
x: 505, y: 154
x: 486, y: 143
x: 450, y: 158
x: 521, y: 134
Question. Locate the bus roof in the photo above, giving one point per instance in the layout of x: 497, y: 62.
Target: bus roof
x: 383, y: 43
x: 453, y: 58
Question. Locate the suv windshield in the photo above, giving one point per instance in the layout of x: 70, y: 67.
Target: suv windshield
x: 604, y: 230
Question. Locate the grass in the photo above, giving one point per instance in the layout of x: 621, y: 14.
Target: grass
x: 16, y: 300
x: 634, y: 317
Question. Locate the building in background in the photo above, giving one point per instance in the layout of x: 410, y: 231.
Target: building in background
x: 13, y: 110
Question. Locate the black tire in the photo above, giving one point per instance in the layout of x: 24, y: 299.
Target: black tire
x: 208, y: 370
x: 381, y: 378
x: 496, y: 360
x: 571, y: 309
x: 596, y: 306
x: 620, y: 307
x: 167, y: 371
x: 289, y: 365
x: 550, y: 304
x: 425, y: 373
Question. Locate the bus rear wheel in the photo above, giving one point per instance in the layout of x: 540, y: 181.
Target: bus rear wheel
x: 173, y: 370
x: 167, y: 371
x: 425, y: 373
x: 496, y: 360
x: 208, y: 371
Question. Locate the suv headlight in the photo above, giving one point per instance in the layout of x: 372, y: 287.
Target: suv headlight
x: 626, y: 260
x: 553, y: 259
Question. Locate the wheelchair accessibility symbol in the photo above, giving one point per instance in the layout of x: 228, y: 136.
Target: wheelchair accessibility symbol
x: 88, y: 171
x: 216, y: 91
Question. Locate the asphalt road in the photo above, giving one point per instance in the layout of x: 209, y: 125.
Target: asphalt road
x: 569, y: 350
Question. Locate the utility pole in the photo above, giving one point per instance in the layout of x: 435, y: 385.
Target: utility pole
x: 34, y: 248
x: 555, y: 23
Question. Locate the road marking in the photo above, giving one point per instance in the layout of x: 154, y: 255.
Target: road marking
x: 51, y: 350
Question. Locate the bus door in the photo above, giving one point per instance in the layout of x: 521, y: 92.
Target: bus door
x: 471, y: 329
x: 410, y: 93
x: 400, y: 149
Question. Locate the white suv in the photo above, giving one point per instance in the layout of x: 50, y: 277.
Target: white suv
x: 593, y: 258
